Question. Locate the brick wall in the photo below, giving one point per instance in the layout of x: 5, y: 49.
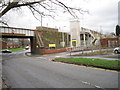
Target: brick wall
x: 51, y: 51
x: 3, y: 45
x: 109, y: 42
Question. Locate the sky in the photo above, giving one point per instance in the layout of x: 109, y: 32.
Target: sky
x: 102, y: 17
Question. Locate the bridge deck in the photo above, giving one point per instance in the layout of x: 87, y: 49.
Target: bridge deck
x: 16, y: 31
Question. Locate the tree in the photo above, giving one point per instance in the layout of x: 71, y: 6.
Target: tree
x: 117, y: 30
x: 118, y: 34
x: 112, y: 34
x: 36, y: 7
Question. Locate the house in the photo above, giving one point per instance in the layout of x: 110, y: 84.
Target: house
x: 3, y: 45
x: 109, y: 42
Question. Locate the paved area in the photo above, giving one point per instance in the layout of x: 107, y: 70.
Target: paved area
x: 40, y: 72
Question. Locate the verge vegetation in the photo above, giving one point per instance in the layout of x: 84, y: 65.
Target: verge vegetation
x: 100, y: 63
x: 16, y: 49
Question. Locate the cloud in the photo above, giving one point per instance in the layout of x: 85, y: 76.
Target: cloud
x: 102, y: 13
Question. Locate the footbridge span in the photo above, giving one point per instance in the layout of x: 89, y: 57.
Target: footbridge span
x: 12, y: 32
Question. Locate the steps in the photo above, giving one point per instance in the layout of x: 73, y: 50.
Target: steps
x: 94, y: 37
x: 39, y: 39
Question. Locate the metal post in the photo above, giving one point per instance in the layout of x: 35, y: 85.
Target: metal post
x: 67, y: 38
x: 84, y: 39
x: 63, y: 38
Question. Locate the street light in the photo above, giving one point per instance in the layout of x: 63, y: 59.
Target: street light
x: 63, y: 43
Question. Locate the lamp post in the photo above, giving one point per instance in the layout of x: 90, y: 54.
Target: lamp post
x: 63, y: 43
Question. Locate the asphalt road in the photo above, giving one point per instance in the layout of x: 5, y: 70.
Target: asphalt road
x: 22, y: 71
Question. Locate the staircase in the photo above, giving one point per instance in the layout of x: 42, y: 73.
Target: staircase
x: 39, y: 39
x: 95, y: 38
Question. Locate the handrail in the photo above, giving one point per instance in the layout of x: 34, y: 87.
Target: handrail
x: 39, y: 39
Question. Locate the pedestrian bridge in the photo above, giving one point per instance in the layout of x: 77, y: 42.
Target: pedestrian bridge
x: 16, y: 32
x: 33, y: 35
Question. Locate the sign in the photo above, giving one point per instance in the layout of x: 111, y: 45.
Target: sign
x: 74, y: 42
x: 62, y: 44
x: 52, y: 45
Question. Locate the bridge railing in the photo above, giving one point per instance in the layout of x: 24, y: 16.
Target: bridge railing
x: 11, y: 30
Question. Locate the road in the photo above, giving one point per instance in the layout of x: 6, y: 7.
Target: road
x: 22, y: 71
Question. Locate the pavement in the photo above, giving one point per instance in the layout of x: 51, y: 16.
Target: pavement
x: 111, y: 56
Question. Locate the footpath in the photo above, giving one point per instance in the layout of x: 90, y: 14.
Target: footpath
x: 69, y: 54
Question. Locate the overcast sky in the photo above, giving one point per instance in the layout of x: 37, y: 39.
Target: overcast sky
x: 102, y: 13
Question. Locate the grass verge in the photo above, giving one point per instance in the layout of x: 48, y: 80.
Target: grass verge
x: 100, y: 63
x: 16, y: 49
x: 105, y: 52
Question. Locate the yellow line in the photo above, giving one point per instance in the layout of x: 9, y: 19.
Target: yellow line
x: 45, y: 55
x: 93, y: 68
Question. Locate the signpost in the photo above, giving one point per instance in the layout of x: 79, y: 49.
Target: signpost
x: 52, y: 45
x: 74, y: 42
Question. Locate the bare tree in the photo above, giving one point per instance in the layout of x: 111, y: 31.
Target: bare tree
x: 36, y: 7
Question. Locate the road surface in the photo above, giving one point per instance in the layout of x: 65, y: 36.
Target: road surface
x: 22, y: 71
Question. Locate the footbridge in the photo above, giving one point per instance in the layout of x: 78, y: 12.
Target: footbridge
x: 12, y: 32
x: 82, y: 36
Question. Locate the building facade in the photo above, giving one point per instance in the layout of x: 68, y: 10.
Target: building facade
x: 3, y: 45
x: 109, y: 42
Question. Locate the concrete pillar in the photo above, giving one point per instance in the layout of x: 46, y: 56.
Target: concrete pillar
x: 33, y: 42
x: 67, y: 39
x: 34, y: 46
x: 87, y: 39
x: 84, y: 39
x: 75, y: 32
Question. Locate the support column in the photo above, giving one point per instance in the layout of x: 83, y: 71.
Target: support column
x: 34, y: 48
x: 33, y: 45
x: 88, y: 40
x: 84, y: 39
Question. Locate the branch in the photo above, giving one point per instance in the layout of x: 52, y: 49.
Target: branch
x: 15, y: 5
x: 29, y: 3
x: 2, y: 22
x: 70, y: 9
x: 33, y: 13
x: 50, y: 10
x: 10, y: 6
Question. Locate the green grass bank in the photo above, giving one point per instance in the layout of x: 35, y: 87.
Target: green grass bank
x: 16, y: 49
x: 100, y: 63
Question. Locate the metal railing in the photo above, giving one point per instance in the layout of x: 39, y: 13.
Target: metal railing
x: 27, y: 32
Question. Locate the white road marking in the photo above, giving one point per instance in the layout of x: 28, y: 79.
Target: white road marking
x: 92, y: 85
x: 41, y: 57
x: 57, y: 56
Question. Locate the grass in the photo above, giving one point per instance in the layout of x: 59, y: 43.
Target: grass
x: 105, y: 52
x: 101, y: 63
x: 16, y: 49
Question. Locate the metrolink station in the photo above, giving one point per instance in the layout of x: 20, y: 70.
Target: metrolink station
x: 77, y: 37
